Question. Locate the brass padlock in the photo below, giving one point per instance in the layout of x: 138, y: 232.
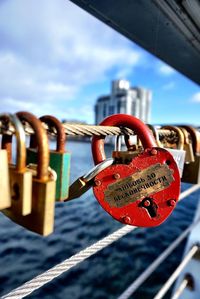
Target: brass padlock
x: 178, y: 153
x: 41, y: 219
x: 19, y: 177
x: 138, y: 145
x: 85, y: 182
x: 189, y: 156
x: 191, y: 172
x: 126, y: 156
x: 59, y: 158
x: 5, y: 198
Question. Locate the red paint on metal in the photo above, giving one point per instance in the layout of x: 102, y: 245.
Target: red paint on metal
x: 146, y: 203
x: 171, y: 202
x: 122, y: 120
x: 137, y: 213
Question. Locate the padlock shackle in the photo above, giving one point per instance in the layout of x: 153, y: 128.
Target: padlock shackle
x: 20, y: 138
x: 195, y: 136
x: 180, y: 135
x: 97, y: 169
x: 53, y: 122
x: 42, y: 143
x: 186, y: 135
x: 155, y: 133
x: 122, y: 120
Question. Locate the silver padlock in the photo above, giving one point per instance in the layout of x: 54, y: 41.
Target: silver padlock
x: 178, y: 153
x: 85, y: 182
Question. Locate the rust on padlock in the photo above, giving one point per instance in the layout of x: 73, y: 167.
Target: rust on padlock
x: 159, y: 189
x: 43, y: 153
x: 121, y: 120
x: 41, y: 218
x: 141, y: 195
x: 140, y: 184
x: 52, y: 122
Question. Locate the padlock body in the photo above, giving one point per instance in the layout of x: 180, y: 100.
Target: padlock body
x: 122, y: 190
x: 60, y: 162
x: 41, y: 219
x: 189, y: 156
x: 21, y: 191
x: 5, y: 197
x: 191, y: 173
x: 78, y: 188
x: 179, y: 157
x: 124, y: 157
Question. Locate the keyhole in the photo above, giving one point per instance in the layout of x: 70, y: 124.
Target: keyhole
x: 16, y: 192
x: 150, y: 205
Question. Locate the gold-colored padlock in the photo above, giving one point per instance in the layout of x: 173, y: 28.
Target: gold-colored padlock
x: 125, y: 157
x: 189, y: 156
x: 5, y: 198
x: 191, y: 172
x: 19, y: 177
x: 41, y: 219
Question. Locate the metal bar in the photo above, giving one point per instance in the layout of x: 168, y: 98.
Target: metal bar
x: 46, y: 277
x: 139, y: 281
x: 180, y: 289
x: 67, y: 264
x: 176, y: 273
x: 189, y: 191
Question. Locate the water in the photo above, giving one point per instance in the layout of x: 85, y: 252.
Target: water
x: 78, y: 224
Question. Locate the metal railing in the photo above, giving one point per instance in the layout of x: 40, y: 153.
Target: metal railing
x: 46, y: 277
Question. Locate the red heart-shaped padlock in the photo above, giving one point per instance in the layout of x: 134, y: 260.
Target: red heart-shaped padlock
x: 143, y: 192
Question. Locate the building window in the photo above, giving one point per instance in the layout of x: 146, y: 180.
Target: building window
x: 123, y: 106
x: 118, y: 106
x: 104, y: 110
x: 133, y: 112
x: 111, y: 110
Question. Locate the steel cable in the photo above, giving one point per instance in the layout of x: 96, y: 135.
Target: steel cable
x: 176, y: 273
x: 44, y: 278
x: 144, y: 275
x: 84, y: 130
x: 67, y: 264
x: 180, y: 289
x: 140, y: 279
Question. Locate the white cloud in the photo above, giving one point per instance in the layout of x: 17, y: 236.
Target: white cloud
x: 196, y: 97
x: 165, y: 69
x: 50, y: 51
x: 169, y: 86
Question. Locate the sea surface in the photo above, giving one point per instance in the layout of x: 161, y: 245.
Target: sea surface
x: 80, y: 223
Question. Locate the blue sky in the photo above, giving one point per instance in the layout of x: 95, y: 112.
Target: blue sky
x: 57, y: 59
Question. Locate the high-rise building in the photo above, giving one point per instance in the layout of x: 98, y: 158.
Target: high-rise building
x: 124, y: 99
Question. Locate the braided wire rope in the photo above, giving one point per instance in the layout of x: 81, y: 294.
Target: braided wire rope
x: 152, y: 267
x: 44, y: 278
x: 84, y: 130
x: 177, y: 272
x: 67, y: 264
x: 181, y: 289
